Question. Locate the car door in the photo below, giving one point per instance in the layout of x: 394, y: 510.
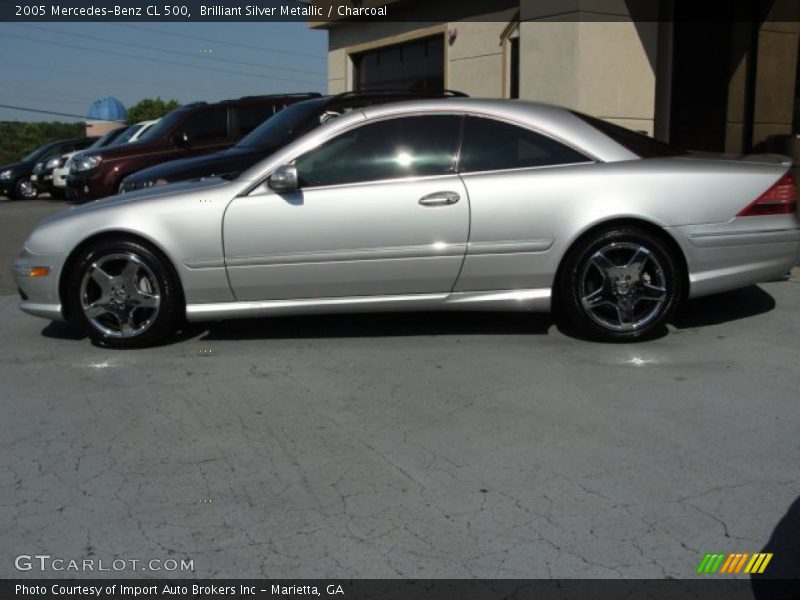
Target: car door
x: 379, y: 211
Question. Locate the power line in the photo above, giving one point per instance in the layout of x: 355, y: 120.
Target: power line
x: 168, y: 51
x: 158, y: 60
x: 51, y: 93
x: 210, y: 40
x: 46, y: 112
x: 125, y: 80
x: 14, y: 97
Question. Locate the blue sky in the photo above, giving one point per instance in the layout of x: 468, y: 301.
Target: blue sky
x: 64, y: 67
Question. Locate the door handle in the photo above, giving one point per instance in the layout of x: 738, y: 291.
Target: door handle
x: 440, y: 199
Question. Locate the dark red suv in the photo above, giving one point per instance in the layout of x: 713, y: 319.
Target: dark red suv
x: 191, y: 130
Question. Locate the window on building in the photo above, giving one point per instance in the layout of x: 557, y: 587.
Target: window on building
x: 510, y: 41
x: 391, y: 149
x: 493, y: 146
x: 513, y: 76
x: 415, y: 65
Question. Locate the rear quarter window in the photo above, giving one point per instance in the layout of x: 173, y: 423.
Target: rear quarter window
x: 491, y: 145
x: 641, y: 145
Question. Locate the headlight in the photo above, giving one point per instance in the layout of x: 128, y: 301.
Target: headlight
x: 6, y: 174
x: 53, y: 163
x: 87, y: 163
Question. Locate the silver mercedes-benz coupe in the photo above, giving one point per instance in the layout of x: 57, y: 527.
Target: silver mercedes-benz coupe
x: 444, y: 204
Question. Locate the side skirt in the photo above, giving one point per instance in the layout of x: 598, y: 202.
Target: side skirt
x: 537, y: 300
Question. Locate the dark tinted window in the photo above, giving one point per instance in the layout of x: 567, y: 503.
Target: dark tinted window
x: 207, y: 125
x: 165, y: 125
x: 641, y: 145
x: 252, y: 116
x: 396, y: 148
x: 284, y: 126
x: 492, y: 146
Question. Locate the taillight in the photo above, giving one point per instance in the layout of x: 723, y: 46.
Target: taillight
x: 780, y: 199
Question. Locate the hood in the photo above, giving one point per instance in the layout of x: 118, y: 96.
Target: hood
x: 231, y: 160
x: 141, y: 196
x: 15, y: 166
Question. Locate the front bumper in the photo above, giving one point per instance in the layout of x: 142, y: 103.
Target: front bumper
x: 43, y: 181
x: 86, y: 186
x: 39, y: 295
x: 60, y: 178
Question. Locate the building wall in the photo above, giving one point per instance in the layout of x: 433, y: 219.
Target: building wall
x: 604, y: 68
x: 98, y: 128
x: 596, y: 57
x: 607, y: 69
x: 773, y: 110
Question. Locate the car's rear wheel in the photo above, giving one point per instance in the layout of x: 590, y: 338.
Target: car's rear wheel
x: 24, y: 189
x: 620, y: 284
x: 123, y: 294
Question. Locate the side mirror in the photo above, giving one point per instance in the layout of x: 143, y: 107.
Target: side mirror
x: 284, y: 179
x: 181, y: 140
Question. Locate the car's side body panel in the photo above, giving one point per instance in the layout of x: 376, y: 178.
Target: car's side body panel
x: 374, y: 247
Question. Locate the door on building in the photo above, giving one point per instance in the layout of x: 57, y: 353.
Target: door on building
x: 415, y: 65
x: 700, y: 84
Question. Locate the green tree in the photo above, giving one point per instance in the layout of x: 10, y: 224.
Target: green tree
x: 18, y: 138
x: 150, y: 108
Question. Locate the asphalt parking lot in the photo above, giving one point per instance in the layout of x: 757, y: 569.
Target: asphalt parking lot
x: 416, y: 445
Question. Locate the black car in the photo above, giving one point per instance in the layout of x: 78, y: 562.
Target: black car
x: 15, y: 178
x: 43, y: 170
x: 287, y: 125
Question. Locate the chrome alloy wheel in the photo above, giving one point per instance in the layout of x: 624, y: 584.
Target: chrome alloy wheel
x: 26, y: 189
x: 119, y: 295
x: 623, y: 286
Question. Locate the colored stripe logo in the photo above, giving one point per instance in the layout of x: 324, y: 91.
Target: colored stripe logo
x: 735, y: 562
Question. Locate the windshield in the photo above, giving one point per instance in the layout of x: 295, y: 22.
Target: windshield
x: 641, y: 145
x: 126, y: 135
x: 107, y: 138
x: 164, y: 125
x: 284, y: 126
x: 38, y: 153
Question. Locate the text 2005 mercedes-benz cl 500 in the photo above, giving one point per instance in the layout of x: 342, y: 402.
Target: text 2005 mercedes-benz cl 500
x: 450, y: 204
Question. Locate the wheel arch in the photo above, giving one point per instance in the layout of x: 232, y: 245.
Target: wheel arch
x: 113, y: 235
x: 649, y: 226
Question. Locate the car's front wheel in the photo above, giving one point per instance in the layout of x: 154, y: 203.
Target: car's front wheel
x: 620, y: 284
x: 24, y: 189
x: 123, y: 294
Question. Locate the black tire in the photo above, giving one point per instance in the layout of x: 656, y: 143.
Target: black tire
x: 620, y: 284
x: 155, y: 282
x: 24, y: 189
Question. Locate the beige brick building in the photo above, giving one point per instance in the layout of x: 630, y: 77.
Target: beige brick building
x: 721, y: 86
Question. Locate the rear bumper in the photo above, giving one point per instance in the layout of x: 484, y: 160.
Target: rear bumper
x: 737, y: 254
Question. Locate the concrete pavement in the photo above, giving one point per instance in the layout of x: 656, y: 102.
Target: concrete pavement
x: 418, y: 445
